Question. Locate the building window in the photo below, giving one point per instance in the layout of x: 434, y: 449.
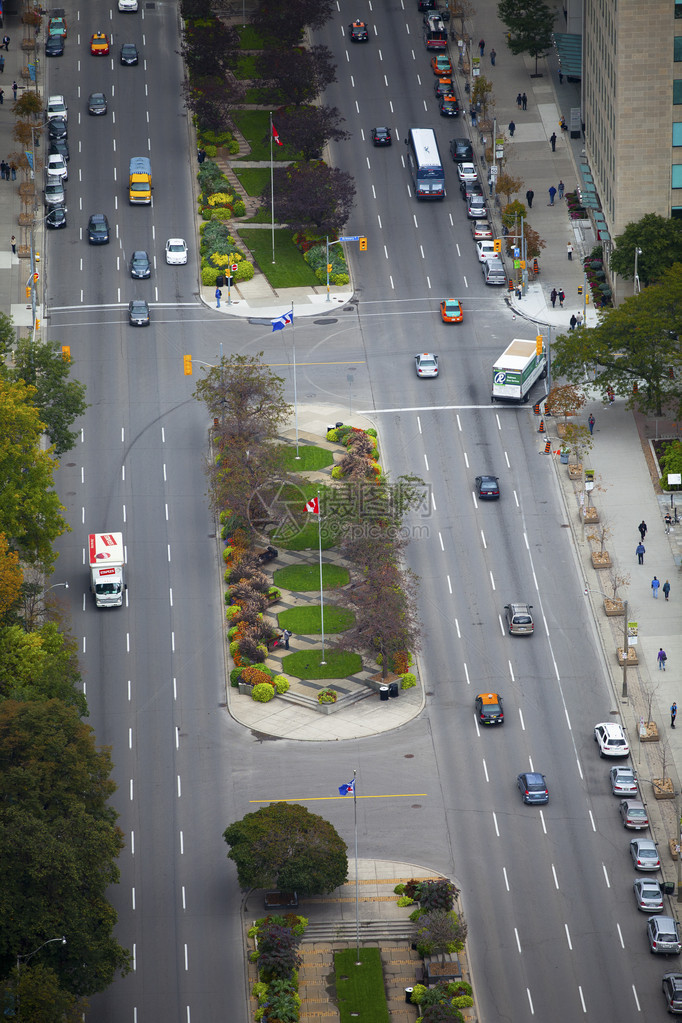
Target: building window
x: 677, y: 175
x: 677, y: 134
x: 677, y: 92
x: 678, y: 8
x: 678, y: 47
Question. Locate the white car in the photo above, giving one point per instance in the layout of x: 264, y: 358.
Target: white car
x: 176, y: 251
x: 56, y: 107
x: 485, y: 250
x: 426, y: 364
x: 611, y: 740
x: 56, y: 166
x: 466, y: 172
x: 127, y: 5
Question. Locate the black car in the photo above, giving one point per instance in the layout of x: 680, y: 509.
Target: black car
x: 426, y: 5
x: 358, y: 32
x: 443, y: 87
x: 461, y: 151
x: 487, y: 488
x: 489, y: 709
x: 448, y: 106
x: 98, y: 229
x: 97, y: 104
x: 469, y: 188
x: 381, y: 136
x: 533, y: 787
x: 128, y: 54
x: 56, y: 128
x: 60, y: 146
x: 140, y: 265
x: 56, y: 218
x: 138, y: 313
x: 54, y: 46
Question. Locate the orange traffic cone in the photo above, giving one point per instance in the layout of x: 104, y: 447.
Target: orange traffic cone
x: 541, y: 428
x: 548, y: 447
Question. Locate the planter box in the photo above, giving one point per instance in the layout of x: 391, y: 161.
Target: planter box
x: 674, y: 847
x: 589, y: 514
x: 276, y: 900
x: 244, y: 689
x: 614, y: 608
x: 632, y: 656
x: 663, y: 788
x: 601, y: 559
x: 649, y: 732
x: 575, y: 471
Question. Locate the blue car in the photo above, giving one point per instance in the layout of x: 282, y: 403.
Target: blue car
x: 533, y: 787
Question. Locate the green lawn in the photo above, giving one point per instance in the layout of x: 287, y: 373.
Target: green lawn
x: 289, y: 270
x: 255, y: 127
x: 360, y: 992
x: 249, y: 39
x: 261, y: 217
x: 310, y: 457
x: 306, y: 539
x: 306, y: 620
x: 254, y: 180
x: 306, y: 664
x: 245, y: 67
x: 307, y: 577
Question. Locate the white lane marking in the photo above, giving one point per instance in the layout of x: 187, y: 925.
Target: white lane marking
x: 620, y: 936
x: 385, y: 252
x: 182, y: 843
x: 556, y: 879
x: 582, y: 999
x: 166, y: 507
x: 568, y: 937
x: 379, y: 219
x: 428, y: 282
x: 132, y: 896
x: 542, y: 818
x: 606, y: 876
x: 175, y: 688
x: 530, y: 761
x: 634, y: 992
x: 459, y: 422
x: 523, y: 723
x: 414, y: 217
x: 357, y: 107
x: 506, y: 458
x: 386, y: 81
x: 440, y: 540
x: 179, y: 787
x: 506, y: 879
x: 186, y: 957
x: 131, y: 792
x: 518, y: 942
x: 374, y: 192
x: 130, y: 738
x: 184, y: 898
x: 170, y: 594
x: 421, y: 249
x: 466, y: 673
x: 390, y: 277
x: 530, y: 1002
x: 485, y: 771
x: 466, y: 283
x: 447, y: 577
x: 497, y: 830
x: 132, y: 843
x: 130, y: 691
x: 369, y: 166
x: 485, y: 545
x: 592, y: 820
x: 452, y: 223
x: 473, y: 496
x: 492, y: 580
x: 466, y: 460
x: 177, y: 737
x: 511, y: 671
x: 419, y: 423
x: 426, y: 461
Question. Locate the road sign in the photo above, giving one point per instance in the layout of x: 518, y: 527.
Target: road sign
x: 233, y: 268
x: 350, y: 238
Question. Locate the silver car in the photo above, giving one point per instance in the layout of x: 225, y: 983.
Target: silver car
x: 426, y: 364
x: 648, y: 894
x: 644, y: 854
x: 519, y: 619
x: 633, y: 814
x: 672, y: 991
x: 664, y: 935
x: 623, y: 781
x: 54, y: 191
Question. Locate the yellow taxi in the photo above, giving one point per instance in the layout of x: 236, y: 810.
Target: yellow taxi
x: 441, y: 66
x: 489, y: 709
x: 451, y: 310
x: 57, y: 27
x: 99, y: 44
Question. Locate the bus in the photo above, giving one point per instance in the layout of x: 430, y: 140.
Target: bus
x: 425, y: 164
x: 435, y: 33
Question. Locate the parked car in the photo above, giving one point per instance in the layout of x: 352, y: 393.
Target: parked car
x: 672, y: 992
x: 54, y: 46
x: 623, y: 781
x: 481, y: 229
x: 633, y: 814
x: 648, y: 894
x: 663, y: 933
x: 461, y: 150
x: 644, y: 854
x: 611, y: 740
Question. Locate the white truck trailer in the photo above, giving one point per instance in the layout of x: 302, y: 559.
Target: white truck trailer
x: 107, y: 565
x: 517, y: 369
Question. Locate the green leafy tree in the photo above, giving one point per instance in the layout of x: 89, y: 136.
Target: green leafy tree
x: 312, y: 195
x: 283, y: 21
x: 284, y: 846
x: 59, y: 400
x: 8, y: 334
x: 40, y: 665
x: 34, y: 992
x: 308, y: 129
x: 660, y: 241
x: 530, y: 24
x: 298, y: 75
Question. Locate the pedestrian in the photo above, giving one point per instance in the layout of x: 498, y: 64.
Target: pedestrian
x: 481, y: 46
x: 590, y: 423
x: 218, y: 295
x: 530, y: 195
x: 5, y: 42
x: 666, y: 589
x: 561, y: 297
x: 287, y: 636
x: 561, y: 77
x: 512, y: 128
x: 640, y: 551
x: 519, y: 100
x: 552, y: 193
x: 472, y: 111
x: 571, y: 323
x: 569, y: 247
x: 561, y: 189
x: 610, y: 394
x: 13, y: 168
x: 668, y: 519
x: 552, y: 141
x: 13, y: 243
x: 2, y: 64
x: 524, y: 101
x: 673, y: 712
x: 492, y: 57
x: 655, y: 583
x: 662, y: 657
x: 3, y: 167
x: 553, y: 297
x: 14, y: 90
x: 579, y: 318
x: 642, y: 527
x: 2, y: 93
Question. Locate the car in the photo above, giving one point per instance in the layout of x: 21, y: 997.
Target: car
x: 451, y: 310
x: 381, y: 136
x: 487, y: 488
x: 56, y: 107
x: 426, y: 364
x: 56, y: 165
x: 140, y: 265
x: 672, y: 992
x: 519, y: 619
x: 476, y: 208
x: 461, y: 150
x: 138, y: 313
x: 426, y: 5
x: 98, y: 229
x: 128, y: 54
x: 59, y: 146
x: 358, y: 32
x: 97, y: 104
x: 176, y: 251
x: 644, y: 854
x: 481, y: 229
x: 442, y: 87
x: 485, y: 249
x: 489, y: 709
x: 56, y: 27
x: 99, y: 44
x: 441, y: 65
x: 127, y: 5
x: 53, y: 192
x: 648, y: 894
x: 623, y: 781
x: 57, y: 129
x: 663, y: 933
x: 533, y: 787
x: 469, y: 188
x: 448, y: 106
x: 633, y: 814
x: 54, y: 46
x: 466, y: 172
x: 611, y: 740
x: 56, y: 218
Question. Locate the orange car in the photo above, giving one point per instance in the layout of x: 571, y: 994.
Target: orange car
x: 441, y: 65
x: 99, y: 44
x: 451, y: 310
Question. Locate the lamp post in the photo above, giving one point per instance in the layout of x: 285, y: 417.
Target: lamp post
x: 638, y: 252
x: 23, y: 959
x: 54, y: 587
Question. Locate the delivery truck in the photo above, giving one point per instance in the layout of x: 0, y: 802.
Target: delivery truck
x: 517, y: 369
x: 140, y: 180
x: 107, y: 565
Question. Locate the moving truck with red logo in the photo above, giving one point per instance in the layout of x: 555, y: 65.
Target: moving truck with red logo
x: 107, y: 562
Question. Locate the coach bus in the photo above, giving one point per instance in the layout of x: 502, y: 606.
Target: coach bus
x: 425, y: 164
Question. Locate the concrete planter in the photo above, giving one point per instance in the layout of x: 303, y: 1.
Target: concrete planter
x: 614, y: 608
x: 601, y: 559
x: 632, y: 656
x: 663, y: 788
x: 589, y: 514
x: 649, y: 732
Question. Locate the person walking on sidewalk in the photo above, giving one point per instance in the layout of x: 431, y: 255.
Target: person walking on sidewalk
x: 666, y: 589
x: 642, y: 527
x: 655, y: 583
x: 481, y: 46
x: 640, y: 551
x: 662, y: 658
x: 552, y: 193
x: 287, y: 636
x: 218, y: 295
x: 13, y: 243
x: 14, y: 90
x: 673, y: 714
x: 590, y: 423
x: 524, y: 101
x: 2, y: 64
x: 561, y: 297
x: 512, y: 128
x: 572, y: 322
x: 492, y: 57
x: 562, y: 187
x: 530, y: 195
x: 519, y: 101
x: 579, y: 318
x: 552, y: 141
x: 553, y: 295
x: 569, y: 247
x: 5, y: 42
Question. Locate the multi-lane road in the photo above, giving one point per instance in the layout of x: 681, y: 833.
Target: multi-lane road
x: 554, y: 932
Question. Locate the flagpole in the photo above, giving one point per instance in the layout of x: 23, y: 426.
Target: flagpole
x: 319, y: 542
x: 293, y: 328
x: 357, y: 893
x: 272, y: 190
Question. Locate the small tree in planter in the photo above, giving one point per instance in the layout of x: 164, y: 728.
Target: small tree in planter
x: 649, y: 731
x: 602, y: 532
x: 565, y: 401
x: 663, y: 786
x: 614, y: 605
x: 577, y: 439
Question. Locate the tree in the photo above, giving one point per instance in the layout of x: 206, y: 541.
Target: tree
x: 530, y: 24
x: 40, y: 665
x: 284, y: 846
x: 635, y: 344
x: 209, y: 45
x: 534, y: 243
x: 59, y: 400
x: 28, y: 105
x: 212, y: 99
x: 298, y: 75
x: 660, y: 241
x: 8, y: 334
x: 307, y: 130
x: 283, y: 21
x: 461, y: 9
x: 565, y: 400
x: 312, y: 195
x: 35, y: 988
x: 247, y: 398
x: 481, y: 94
x: 507, y: 185
x: 11, y: 577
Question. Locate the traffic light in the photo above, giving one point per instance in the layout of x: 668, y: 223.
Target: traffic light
x: 66, y: 353
x: 497, y: 245
x: 363, y: 245
x: 36, y: 278
x: 329, y: 268
x: 538, y: 344
x: 28, y: 291
x: 187, y: 361
x: 37, y: 324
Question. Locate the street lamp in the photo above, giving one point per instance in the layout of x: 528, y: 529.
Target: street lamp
x: 23, y: 959
x: 55, y: 585
x: 638, y: 252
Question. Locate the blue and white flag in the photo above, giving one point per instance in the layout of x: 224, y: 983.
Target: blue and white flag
x: 347, y: 790
x: 282, y: 321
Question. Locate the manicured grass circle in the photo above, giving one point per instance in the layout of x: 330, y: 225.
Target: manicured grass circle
x: 306, y: 620
x: 310, y: 457
x: 307, y: 577
x: 306, y: 664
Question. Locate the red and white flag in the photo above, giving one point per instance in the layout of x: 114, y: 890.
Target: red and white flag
x: 313, y: 506
x: 275, y: 135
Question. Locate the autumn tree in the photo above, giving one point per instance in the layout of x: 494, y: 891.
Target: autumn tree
x: 11, y: 577
x: 59, y: 400
x: 507, y: 185
x: 312, y: 195
x: 659, y: 240
x: 530, y: 24
x: 212, y: 99
x: 534, y: 243
x: 297, y: 76
x: 565, y: 400
x: 284, y: 846
x: 40, y: 665
x: 308, y: 129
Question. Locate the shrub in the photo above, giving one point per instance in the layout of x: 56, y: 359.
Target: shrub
x: 259, y: 989
x: 234, y: 647
x: 405, y: 900
x: 235, y: 676
x: 418, y: 993
x: 408, y: 680
x: 333, y: 435
x: 434, y: 895
x: 244, y: 271
x: 327, y: 696
x: 463, y: 1001
x: 232, y: 612
x: 337, y: 473
x: 255, y: 676
x: 281, y: 683
x: 274, y: 593
x: 278, y: 951
x: 239, y: 208
x: 399, y: 889
x: 263, y: 692
x: 372, y: 432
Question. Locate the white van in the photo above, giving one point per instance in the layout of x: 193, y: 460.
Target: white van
x: 493, y: 271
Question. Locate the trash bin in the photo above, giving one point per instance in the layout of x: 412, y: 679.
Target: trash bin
x: 563, y: 457
x: 339, y: 425
x: 393, y: 690
x: 383, y: 693
x: 408, y: 995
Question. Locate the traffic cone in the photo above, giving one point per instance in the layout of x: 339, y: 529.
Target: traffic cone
x: 548, y: 447
x: 541, y: 428
x: 536, y: 409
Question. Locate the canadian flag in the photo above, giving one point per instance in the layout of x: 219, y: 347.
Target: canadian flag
x: 313, y: 506
x: 275, y: 135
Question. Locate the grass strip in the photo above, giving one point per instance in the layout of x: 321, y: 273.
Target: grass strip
x: 289, y: 270
x: 307, y: 577
x: 306, y: 620
x: 360, y: 991
x: 254, y: 180
x: 255, y: 127
x: 306, y: 664
x: 311, y: 458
